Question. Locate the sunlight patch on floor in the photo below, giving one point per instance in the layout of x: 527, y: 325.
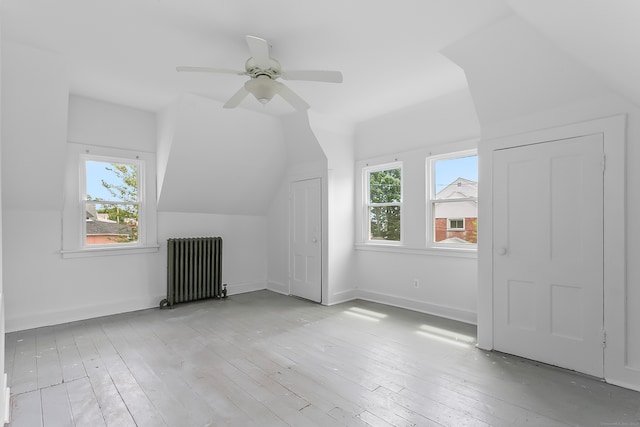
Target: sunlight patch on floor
x: 444, y: 335
x: 362, y: 313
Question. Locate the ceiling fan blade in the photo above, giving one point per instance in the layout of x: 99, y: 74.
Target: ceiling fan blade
x: 211, y: 70
x: 259, y: 49
x: 292, y: 98
x: 313, y: 75
x: 237, y: 98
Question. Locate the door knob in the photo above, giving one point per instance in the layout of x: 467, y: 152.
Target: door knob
x: 502, y: 251
x: 314, y: 240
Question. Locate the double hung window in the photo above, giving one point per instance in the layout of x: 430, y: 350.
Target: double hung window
x: 111, y: 200
x: 109, y: 204
x: 452, y: 200
x: 383, y: 206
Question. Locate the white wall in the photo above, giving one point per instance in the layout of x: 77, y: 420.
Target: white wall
x: 33, y: 169
x: 44, y: 289
x: 278, y: 240
x: 166, y: 119
x: 34, y: 128
x: 41, y: 287
x: 244, y: 243
x: 447, y: 282
x: 338, y: 146
x: 94, y: 122
x: 4, y: 390
x: 450, y: 118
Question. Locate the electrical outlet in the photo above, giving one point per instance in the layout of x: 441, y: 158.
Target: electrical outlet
x: 416, y: 283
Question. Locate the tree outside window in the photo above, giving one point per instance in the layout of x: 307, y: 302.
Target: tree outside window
x: 384, y: 203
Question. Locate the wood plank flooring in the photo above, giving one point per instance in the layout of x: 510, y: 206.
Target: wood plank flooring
x: 264, y: 359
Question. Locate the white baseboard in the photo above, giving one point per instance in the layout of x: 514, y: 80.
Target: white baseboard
x: 421, y: 306
x: 277, y: 287
x: 343, y: 296
x: 625, y: 384
x: 72, y: 314
x: 241, y: 288
x: 401, y: 302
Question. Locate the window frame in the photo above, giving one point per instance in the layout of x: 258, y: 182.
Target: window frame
x: 431, y: 202
x: 74, y: 211
x: 366, y: 173
x: 140, y: 202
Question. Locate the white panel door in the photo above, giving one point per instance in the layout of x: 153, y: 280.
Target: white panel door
x: 306, y: 237
x: 548, y: 252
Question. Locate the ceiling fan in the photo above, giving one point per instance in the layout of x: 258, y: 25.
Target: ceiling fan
x: 264, y: 72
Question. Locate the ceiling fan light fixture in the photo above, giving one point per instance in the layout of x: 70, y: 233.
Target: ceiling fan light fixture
x: 263, y: 88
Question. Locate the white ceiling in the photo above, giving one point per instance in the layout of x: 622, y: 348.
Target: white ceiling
x: 126, y: 51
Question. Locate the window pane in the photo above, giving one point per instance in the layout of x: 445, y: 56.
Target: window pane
x: 111, y: 181
x: 456, y: 222
x: 456, y: 178
x: 384, y: 223
x: 111, y: 223
x: 385, y: 186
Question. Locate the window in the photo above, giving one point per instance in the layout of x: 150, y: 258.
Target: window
x: 452, y: 200
x: 109, y: 206
x: 456, y: 224
x: 110, y: 201
x: 383, y: 207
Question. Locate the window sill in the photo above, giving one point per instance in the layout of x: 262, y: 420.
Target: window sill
x: 104, y: 251
x: 447, y: 252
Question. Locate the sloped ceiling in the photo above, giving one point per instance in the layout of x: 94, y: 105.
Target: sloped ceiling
x: 513, y: 71
x: 221, y: 161
x: 517, y: 56
x: 603, y: 35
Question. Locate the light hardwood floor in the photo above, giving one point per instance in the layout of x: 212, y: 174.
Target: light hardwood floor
x: 264, y: 359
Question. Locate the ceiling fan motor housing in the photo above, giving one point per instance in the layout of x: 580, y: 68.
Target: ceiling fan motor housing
x: 254, y: 71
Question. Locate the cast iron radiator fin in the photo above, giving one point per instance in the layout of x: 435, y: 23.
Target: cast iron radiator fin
x: 194, y: 270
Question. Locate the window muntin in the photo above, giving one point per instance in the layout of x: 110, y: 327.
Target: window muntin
x: 452, y: 200
x: 111, y: 198
x: 383, y: 213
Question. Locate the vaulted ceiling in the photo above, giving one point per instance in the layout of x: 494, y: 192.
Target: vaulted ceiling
x: 389, y: 52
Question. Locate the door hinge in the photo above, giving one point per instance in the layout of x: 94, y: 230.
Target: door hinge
x: 603, y: 162
x: 604, y: 339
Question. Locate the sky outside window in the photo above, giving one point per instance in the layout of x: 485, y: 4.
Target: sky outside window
x: 95, y: 173
x: 448, y: 170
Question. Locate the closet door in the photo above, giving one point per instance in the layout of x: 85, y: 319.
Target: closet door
x: 306, y: 240
x: 548, y: 252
